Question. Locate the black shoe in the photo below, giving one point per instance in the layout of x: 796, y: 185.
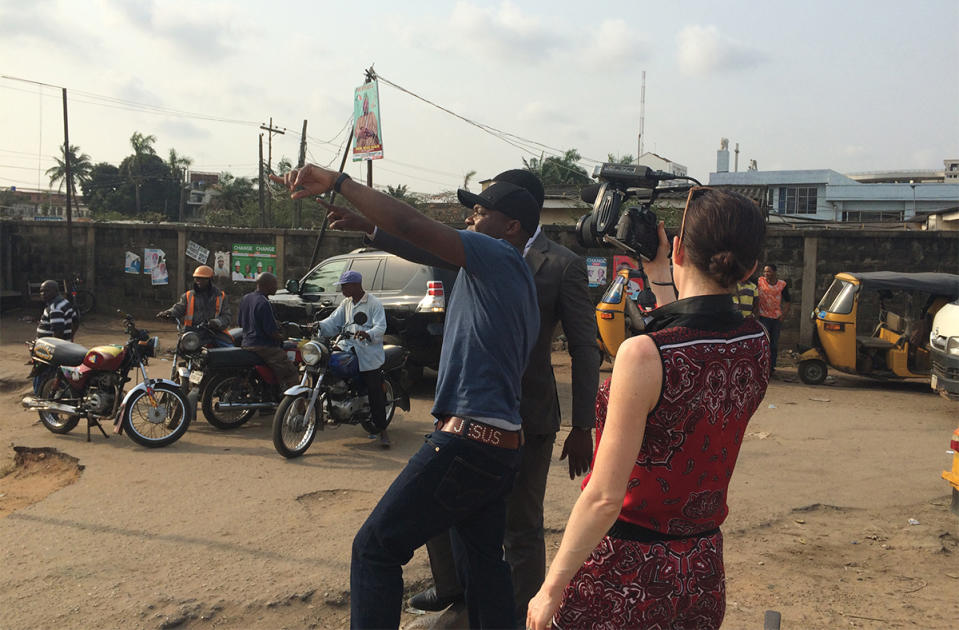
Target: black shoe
x: 429, y: 601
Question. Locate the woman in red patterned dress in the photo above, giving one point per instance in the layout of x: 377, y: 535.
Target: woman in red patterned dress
x: 670, y: 422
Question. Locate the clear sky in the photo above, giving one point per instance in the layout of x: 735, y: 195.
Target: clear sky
x: 849, y: 85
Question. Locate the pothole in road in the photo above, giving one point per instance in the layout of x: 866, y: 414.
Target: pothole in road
x: 33, y: 474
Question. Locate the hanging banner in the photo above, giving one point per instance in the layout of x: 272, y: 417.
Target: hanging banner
x: 367, y: 133
x: 250, y: 260
x: 150, y: 259
x: 132, y: 263
x: 197, y: 252
x: 221, y: 265
x: 159, y: 275
x: 596, y: 270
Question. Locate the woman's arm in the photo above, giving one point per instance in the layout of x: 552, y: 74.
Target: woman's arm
x: 634, y: 391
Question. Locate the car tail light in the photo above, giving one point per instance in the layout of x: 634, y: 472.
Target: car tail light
x: 435, y: 299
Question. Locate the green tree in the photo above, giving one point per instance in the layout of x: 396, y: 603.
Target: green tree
x: 468, y: 178
x: 179, y: 164
x: 623, y: 159
x: 233, y: 202
x: 403, y: 193
x: 559, y: 170
x: 142, y: 147
x: 80, y: 168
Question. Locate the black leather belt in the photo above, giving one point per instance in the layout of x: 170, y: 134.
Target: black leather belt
x: 482, y: 433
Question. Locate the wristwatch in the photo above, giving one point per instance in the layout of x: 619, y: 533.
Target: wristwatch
x: 339, y: 182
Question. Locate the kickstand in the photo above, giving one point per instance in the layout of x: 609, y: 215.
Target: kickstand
x: 94, y: 422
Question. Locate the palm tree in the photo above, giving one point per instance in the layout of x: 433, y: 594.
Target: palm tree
x: 178, y: 167
x: 142, y: 145
x: 467, y: 179
x: 80, y: 169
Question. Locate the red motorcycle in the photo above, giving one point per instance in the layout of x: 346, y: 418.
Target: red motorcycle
x: 72, y: 382
x: 235, y: 383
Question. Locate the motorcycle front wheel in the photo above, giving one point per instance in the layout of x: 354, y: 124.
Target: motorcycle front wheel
x: 52, y: 388
x: 157, y: 421
x: 389, y: 407
x: 227, y: 388
x: 292, y: 434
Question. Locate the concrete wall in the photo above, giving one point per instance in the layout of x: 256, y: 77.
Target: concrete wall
x: 33, y: 251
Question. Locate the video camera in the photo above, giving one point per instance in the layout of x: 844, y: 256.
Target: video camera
x: 607, y: 225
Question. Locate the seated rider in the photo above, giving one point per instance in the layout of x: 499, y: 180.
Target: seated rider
x: 203, y: 304
x: 262, y: 333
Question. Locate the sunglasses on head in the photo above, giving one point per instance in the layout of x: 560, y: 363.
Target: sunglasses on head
x: 693, y: 192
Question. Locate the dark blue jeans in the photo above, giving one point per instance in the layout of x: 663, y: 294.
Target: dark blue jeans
x: 450, y: 483
x: 773, y: 327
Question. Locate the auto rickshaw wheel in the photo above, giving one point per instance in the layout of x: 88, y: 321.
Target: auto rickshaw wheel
x: 812, y: 371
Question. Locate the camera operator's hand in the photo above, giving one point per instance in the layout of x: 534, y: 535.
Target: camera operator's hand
x: 345, y: 219
x: 309, y: 181
x: 657, y: 269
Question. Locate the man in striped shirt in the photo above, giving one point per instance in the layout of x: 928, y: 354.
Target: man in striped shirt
x: 59, y: 319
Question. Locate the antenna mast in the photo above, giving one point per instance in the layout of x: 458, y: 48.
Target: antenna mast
x: 642, y: 118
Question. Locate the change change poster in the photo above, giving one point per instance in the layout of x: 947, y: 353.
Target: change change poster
x: 250, y: 260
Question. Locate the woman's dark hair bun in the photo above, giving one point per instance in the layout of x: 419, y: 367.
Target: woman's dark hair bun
x: 725, y: 268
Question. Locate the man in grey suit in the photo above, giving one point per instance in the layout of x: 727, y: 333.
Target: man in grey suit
x: 561, y: 286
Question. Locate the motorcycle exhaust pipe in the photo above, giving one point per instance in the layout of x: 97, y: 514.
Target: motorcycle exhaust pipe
x: 228, y: 406
x: 38, y: 404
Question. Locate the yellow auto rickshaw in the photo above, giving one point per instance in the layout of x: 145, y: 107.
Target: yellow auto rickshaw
x: 897, y: 346
x: 619, y: 314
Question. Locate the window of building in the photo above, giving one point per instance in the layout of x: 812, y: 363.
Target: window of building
x: 797, y: 200
x: 872, y: 217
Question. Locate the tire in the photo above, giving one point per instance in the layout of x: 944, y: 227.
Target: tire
x: 50, y: 389
x: 220, y: 388
x: 84, y: 301
x: 157, y: 425
x: 812, y: 371
x: 390, y: 407
x: 291, y: 436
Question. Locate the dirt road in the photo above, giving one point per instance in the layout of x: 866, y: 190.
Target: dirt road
x: 218, y: 531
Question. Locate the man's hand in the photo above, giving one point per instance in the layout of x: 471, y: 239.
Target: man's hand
x: 579, y: 448
x: 657, y: 269
x: 341, y: 218
x: 163, y: 315
x: 309, y: 181
x: 363, y: 335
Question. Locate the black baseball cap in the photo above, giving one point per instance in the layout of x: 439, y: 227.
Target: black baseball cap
x: 526, y: 179
x: 512, y: 200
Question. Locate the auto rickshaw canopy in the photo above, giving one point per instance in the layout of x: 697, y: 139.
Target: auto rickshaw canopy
x: 944, y: 284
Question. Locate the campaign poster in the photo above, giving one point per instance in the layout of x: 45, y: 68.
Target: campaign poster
x: 132, y: 263
x: 150, y: 259
x: 620, y: 262
x: 596, y: 270
x: 197, y: 252
x: 221, y: 265
x: 367, y: 132
x: 159, y: 275
x: 250, y: 260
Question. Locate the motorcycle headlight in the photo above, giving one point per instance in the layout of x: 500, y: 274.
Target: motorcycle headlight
x: 150, y: 347
x: 952, y: 346
x: 313, y: 353
x: 190, y: 341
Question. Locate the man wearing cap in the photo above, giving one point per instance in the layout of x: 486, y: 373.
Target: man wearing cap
x: 202, y: 304
x: 460, y: 477
x: 563, y: 297
x: 261, y: 331
x: 367, y: 342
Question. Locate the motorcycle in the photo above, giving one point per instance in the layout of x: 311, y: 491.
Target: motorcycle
x: 72, y: 382
x: 337, y: 395
x: 234, y: 383
x: 188, y: 353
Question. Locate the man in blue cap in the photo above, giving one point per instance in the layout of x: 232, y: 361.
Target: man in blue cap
x: 461, y: 476
x: 367, y: 342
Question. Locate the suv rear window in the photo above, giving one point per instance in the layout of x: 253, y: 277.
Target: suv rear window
x: 399, y: 272
x: 322, y: 280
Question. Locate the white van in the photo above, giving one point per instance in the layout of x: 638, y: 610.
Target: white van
x: 944, y: 351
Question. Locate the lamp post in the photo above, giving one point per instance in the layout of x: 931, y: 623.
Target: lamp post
x: 913, y: 186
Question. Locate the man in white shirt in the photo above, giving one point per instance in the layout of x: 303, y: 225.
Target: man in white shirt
x: 367, y: 342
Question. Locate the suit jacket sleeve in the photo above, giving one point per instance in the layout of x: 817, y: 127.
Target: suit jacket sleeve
x: 395, y: 245
x: 578, y: 316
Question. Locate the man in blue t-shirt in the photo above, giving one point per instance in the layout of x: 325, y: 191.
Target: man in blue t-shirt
x: 459, y: 479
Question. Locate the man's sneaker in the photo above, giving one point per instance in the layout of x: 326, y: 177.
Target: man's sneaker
x: 384, y: 439
x: 429, y: 601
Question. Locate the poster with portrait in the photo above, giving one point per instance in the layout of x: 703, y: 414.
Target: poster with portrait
x: 620, y: 261
x: 221, y: 265
x: 249, y: 260
x: 150, y: 259
x: 159, y: 274
x: 367, y: 131
x: 596, y: 270
x: 132, y: 263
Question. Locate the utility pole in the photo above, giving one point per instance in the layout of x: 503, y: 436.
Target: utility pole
x: 269, y: 164
x: 298, y: 206
x: 69, y: 173
x: 260, y: 186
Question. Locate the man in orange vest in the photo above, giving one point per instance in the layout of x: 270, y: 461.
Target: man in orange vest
x: 203, y: 304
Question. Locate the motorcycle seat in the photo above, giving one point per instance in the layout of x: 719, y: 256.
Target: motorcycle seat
x: 59, y: 351
x: 394, y: 357
x: 231, y: 357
